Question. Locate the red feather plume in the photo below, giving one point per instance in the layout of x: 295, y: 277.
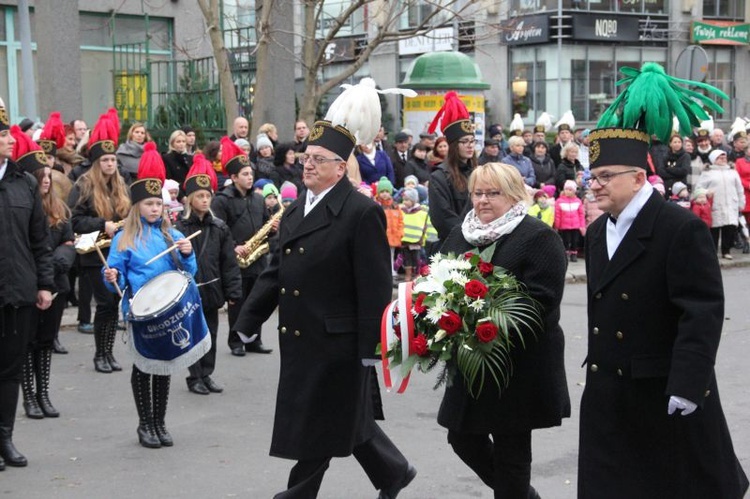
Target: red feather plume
x: 151, y: 164
x: 453, y: 110
x: 202, y: 166
x: 229, y: 150
x: 54, y: 130
x: 23, y: 145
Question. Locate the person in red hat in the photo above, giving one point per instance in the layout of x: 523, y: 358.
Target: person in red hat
x: 26, y: 281
x: 52, y: 138
x: 448, y: 193
x: 99, y: 200
x: 244, y: 211
x: 36, y: 372
x: 217, y: 264
x: 146, y: 234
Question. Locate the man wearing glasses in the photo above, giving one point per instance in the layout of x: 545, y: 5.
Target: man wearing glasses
x: 652, y: 424
x: 331, y: 281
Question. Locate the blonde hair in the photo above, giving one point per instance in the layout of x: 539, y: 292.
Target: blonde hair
x: 57, y: 212
x: 174, y: 136
x: 189, y: 208
x: 567, y: 148
x: 135, y: 126
x: 505, y: 178
x: 109, y: 195
x: 266, y: 128
x: 132, y: 231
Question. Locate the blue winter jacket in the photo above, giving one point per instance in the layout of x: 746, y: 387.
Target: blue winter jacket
x: 382, y: 168
x: 523, y: 165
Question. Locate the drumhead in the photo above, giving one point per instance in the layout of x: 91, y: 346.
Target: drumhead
x: 159, y: 294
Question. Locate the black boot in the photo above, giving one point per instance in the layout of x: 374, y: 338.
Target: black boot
x: 30, y: 404
x: 8, y: 405
x: 43, y: 361
x: 2, y: 464
x: 58, y: 347
x: 141, y: 384
x: 161, y: 396
x: 110, y: 345
x: 100, y: 340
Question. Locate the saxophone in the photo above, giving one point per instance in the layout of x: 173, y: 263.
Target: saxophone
x: 257, y: 246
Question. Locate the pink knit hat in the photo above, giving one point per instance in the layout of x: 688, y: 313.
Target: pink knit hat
x: 288, y: 191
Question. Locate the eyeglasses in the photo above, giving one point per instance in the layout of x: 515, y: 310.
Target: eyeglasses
x: 316, y: 160
x: 466, y: 142
x: 605, y: 178
x: 490, y: 195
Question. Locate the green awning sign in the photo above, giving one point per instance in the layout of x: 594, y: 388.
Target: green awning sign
x: 720, y: 33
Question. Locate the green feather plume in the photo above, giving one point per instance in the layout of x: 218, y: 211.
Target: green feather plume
x: 652, y: 97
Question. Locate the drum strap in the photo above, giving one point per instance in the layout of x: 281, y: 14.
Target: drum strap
x: 205, y: 236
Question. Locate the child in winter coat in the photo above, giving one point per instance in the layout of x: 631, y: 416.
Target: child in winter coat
x: 393, y: 215
x: 569, y: 219
x: 542, y: 208
x: 680, y: 195
x: 416, y: 225
x: 172, y: 204
x: 702, y: 204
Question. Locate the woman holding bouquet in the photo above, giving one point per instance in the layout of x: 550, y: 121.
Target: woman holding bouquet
x: 492, y: 432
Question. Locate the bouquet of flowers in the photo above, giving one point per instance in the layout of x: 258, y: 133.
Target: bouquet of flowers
x: 466, y: 312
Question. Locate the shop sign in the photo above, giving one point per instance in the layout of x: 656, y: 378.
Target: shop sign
x: 605, y: 28
x: 338, y: 49
x: 437, y: 40
x: 720, y: 33
x: 525, y: 30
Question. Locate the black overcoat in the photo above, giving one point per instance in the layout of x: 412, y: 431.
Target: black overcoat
x: 537, y: 395
x: 331, y: 280
x: 655, y: 316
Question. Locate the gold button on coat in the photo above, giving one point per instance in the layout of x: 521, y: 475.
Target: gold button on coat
x: 295, y: 292
x: 598, y: 295
x: 296, y: 332
x: 624, y: 296
x: 708, y: 392
x: 287, y: 251
x: 283, y: 329
x: 594, y: 368
x: 619, y: 372
x: 302, y: 251
x: 619, y: 335
x: 595, y: 330
x: 283, y: 291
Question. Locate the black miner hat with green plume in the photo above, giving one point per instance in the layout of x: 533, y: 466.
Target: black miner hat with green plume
x: 645, y: 108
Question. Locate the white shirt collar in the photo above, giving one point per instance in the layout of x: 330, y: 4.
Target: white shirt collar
x: 3, y: 169
x: 312, y: 200
x: 616, y: 232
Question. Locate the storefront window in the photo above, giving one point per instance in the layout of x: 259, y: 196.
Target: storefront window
x: 529, y: 86
x: 720, y: 64
x: 99, y: 31
x: 520, y: 7
x: 734, y: 9
x: 634, y: 6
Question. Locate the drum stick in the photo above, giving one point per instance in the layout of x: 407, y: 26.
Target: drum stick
x: 104, y: 261
x: 166, y: 251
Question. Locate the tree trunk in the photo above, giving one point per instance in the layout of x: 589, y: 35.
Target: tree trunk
x: 263, y: 87
x: 228, y: 91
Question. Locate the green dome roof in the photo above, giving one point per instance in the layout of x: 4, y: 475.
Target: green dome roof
x: 444, y: 70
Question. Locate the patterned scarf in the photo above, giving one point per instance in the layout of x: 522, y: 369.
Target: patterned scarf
x: 479, y: 234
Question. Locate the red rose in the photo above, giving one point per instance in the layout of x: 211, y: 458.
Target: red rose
x: 419, y: 304
x: 468, y: 255
x: 486, y: 268
x: 424, y: 271
x: 419, y: 345
x: 486, y: 331
x: 475, y: 289
x: 450, y: 321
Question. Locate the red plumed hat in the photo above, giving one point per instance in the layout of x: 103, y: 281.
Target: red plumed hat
x: 453, y: 119
x: 151, y: 175
x: 52, y: 137
x: 27, y: 153
x: 201, y: 176
x: 105, y: 136
x: 233, y: 159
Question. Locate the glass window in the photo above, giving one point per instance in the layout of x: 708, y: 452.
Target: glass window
x: 238, y: 13
x: 720, y: 75
x: 2, y: 25
x: 734, y: 9
x: 531, y: 6
x: 635, y: 6
x: 529, y: 85
x: 17, y: 24
x: 97, y: 31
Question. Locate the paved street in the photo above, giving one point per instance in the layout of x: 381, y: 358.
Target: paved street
x: 222, y: 441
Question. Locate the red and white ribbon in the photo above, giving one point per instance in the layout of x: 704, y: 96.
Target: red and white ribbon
x: 395, y: 377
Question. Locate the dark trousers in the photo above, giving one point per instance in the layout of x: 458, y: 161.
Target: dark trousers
x: 106, y: 301
x: 205, y: 365
x: 570, y: 238
x: 728, y: 233
x: 47, y: 324
x: 15, y: 326
x: 503, y: 463
x: 85, y: 294
x: 233, y: 340
x: 379, y: 457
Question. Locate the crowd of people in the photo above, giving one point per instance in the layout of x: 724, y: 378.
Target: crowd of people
x: 249, y: 223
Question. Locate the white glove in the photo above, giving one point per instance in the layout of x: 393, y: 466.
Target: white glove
x: 369, y: 362
x: 685, y: 405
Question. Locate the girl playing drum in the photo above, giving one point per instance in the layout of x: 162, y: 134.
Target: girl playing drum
x: 146, y: 234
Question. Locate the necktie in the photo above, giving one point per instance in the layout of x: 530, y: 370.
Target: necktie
x: 613, y: 220
x: 403, y: 157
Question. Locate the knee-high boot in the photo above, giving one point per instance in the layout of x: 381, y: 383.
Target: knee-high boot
x: 161, y: 396
x: 100, y: 340
x: 110, y: 345
x: 8, y: 404
x: 43, y: 361
x: 30, y: 403
x: 141, y: 384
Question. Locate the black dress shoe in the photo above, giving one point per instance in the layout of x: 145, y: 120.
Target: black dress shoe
x: 198, y: 387
x: 11, y: 455
x: 212, y: 386
x: 147, y: 437
x: 392, y: 491
x: 257, y: 347
x: 58, y: 348
x: 238, y: 351
x: 101, y: 364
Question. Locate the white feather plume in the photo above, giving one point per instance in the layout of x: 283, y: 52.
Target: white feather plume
x: 567, y: 119
x: 739, y: 125
x: 675, y: 124
x: 2, y: 103
x: 516, y: 123
x: 708, y: 125
x: 358, y: 109
x: 545, y: 119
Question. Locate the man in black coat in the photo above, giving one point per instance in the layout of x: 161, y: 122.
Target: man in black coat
x: 245, y: 213
x: 399, y: 157
x: 331, y: 281
x: 26, y: 279
x: 652, y: 424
